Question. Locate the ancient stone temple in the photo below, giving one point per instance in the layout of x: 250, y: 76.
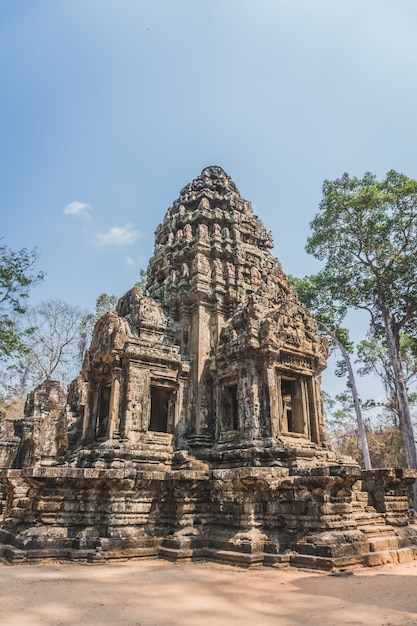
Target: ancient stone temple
x: 195, y: 428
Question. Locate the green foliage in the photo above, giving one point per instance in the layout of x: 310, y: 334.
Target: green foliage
x: 17, y: 276
x: 313, y: 293
x: 142, y: 282
x: 366, y: 232
x: 105, y: 303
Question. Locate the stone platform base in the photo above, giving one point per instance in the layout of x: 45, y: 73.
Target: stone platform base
x: 328, y: 518
x: 13, y: 555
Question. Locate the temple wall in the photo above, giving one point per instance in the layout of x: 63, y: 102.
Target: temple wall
x: 243, y: 515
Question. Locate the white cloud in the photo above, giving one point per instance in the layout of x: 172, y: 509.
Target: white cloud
x: 81, y: 209
x: 116, y: 236
x: 138, y: 261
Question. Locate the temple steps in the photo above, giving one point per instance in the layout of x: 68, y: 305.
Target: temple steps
x: 10, y: 554
x: 368, y: 559
x: 376, y: 530
x: 368, y: 517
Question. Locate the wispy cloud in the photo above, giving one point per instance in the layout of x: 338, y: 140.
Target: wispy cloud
x: 117, y: 236
x: 137, y: 261
x: 80, y: 209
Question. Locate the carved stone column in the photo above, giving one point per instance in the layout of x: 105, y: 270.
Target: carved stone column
x: 90, y: 416
x: 271, y: 381
x: 114, y: 418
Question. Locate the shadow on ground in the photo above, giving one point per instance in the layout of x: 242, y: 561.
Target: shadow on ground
x: 157, y: 593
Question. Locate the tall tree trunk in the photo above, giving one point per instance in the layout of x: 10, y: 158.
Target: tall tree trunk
x: 355, y: 396
x: 393, y: 341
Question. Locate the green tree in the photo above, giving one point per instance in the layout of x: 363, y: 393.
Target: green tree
x: 105, y: 303
x: 17, y: 276
x: 366, y: 233
x: 143, y: 281
x: 312, y: 293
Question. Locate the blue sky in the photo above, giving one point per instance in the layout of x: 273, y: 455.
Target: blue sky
x: 108, y: 108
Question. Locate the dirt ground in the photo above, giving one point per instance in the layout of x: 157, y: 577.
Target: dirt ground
x: 158, y: 593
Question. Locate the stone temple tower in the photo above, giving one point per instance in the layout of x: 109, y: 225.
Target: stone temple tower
x: 211, y: 252
x: 195, y: 428
x: 235, y: 319
x: 218, y: 358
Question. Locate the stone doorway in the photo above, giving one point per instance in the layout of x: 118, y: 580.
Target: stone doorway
x: 103, y: 411
x: 295, y: 417
x: 160, y: 402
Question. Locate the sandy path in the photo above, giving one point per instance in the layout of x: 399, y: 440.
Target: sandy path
x: 158, y: 593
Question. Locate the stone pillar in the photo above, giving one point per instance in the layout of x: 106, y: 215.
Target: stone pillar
x: 200, y: 352
x: 90, y: 416
x: 306, y: 408
x: 8, y: 442
x: 274, y: 412
x: 317, y: 421
x: 138, y: 402
x: 248, y: 395
x: 8, y: 451
x: 114, y: 418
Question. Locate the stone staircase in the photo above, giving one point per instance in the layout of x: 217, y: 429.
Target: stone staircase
x: 368, y: 539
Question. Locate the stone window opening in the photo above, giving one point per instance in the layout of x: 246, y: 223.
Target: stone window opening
x: 160, y: 403
x: 230, y: 419
x: 103, y: 411
x: 293, y: 406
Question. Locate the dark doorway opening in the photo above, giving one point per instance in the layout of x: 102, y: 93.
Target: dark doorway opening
x: 230, y: 419
x: 159, y: 409
x: 103, y: 411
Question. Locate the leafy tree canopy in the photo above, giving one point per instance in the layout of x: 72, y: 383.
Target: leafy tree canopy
x: 313, y: 293
x: 105, y: 303
x: 366, y: 232
x: 17, y: 276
